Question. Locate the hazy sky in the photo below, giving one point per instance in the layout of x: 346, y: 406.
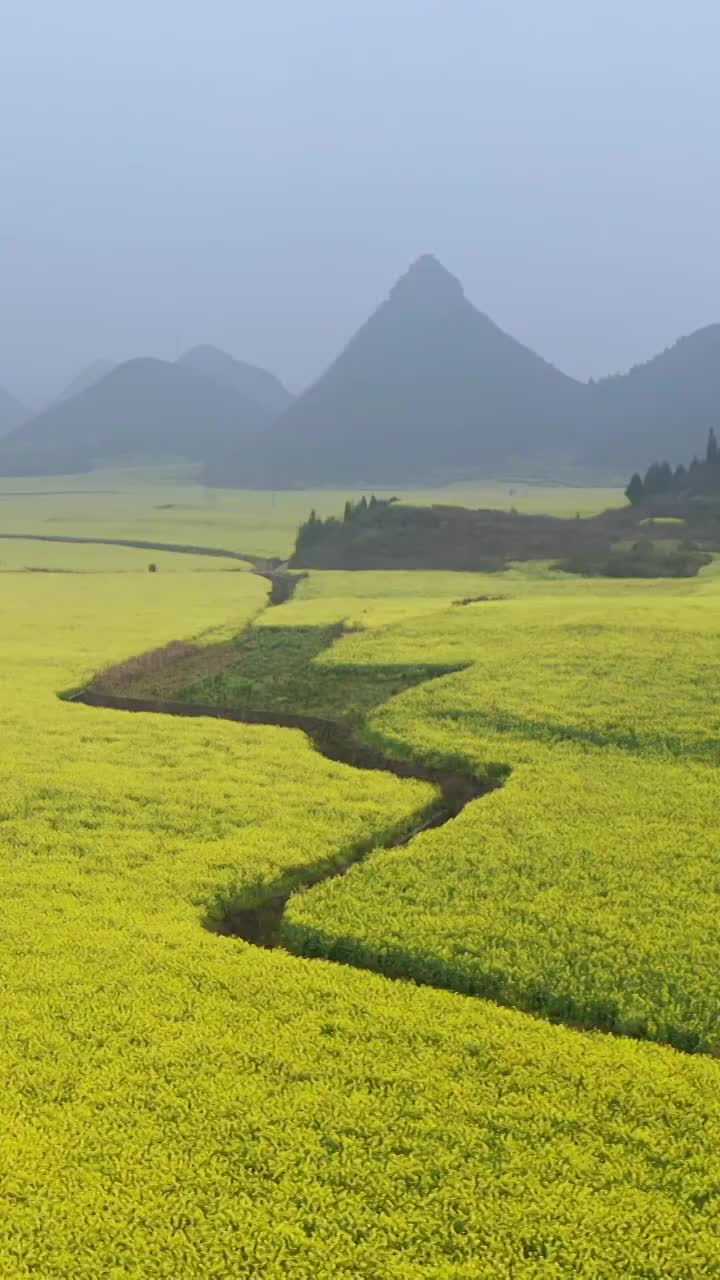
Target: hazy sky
x: 256, y: 174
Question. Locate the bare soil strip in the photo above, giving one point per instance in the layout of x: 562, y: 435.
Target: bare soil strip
x: 261, y: 564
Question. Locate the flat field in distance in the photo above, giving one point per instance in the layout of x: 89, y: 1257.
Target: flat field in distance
x: 25, y: 555
x: 181, y: 1103
x: 167, y: 506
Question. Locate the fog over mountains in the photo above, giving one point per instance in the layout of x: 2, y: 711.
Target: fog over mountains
x: 12, y: 412
x: 142, y: 408
x: 87, y: 377
x: 250, y: 381
x: 428, y: 389
x: 663, y: 408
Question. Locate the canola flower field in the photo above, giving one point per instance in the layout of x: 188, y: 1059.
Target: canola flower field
x: 588, y: 887
x: 177, y: 1103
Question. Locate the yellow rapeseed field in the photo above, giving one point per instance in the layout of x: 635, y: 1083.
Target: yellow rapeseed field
x: 587, y: 887
x: 181, y: 1104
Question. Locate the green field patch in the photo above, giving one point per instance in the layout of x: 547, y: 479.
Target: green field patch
x: 266, y: 668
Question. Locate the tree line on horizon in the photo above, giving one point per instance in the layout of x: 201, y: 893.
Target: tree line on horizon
x: 701, y: 476
x: 315, y: 527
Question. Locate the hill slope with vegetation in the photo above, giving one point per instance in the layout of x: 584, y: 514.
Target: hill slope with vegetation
x: 665, y: 406
x: 141, y: 408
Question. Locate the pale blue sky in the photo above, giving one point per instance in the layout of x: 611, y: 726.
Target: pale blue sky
x: 257, y: 174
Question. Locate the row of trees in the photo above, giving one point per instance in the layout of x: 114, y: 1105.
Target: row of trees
x: 701, y: 476
x: 315, y: 528
x: 353, y: 510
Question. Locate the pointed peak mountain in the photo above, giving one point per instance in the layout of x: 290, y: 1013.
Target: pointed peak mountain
x: 428, y: 387
x: 427, y: 283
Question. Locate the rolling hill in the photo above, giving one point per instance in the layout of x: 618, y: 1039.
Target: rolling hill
x: 248, y: 379
x: 143, y: 408
x: 663, y: 408
x: 87, y: 377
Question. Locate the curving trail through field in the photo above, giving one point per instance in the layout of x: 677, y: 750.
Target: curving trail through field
x: 261, y: 564
x: 259, y: 919
x: 262, y: 924
x: 258, y: 916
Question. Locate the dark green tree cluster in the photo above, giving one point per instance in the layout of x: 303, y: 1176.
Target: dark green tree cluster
x: 702, y: 476
x: 353, y: 510
x: 315, y: 529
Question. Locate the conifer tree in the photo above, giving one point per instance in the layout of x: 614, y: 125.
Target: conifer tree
x: 658, y: 478
x: 635, y: 491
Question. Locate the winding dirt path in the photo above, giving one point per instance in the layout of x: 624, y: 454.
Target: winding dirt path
x: 336, y: 740
x: 261, y: 564
x: 261, y: 924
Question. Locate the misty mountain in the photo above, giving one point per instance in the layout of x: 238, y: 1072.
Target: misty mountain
x: 144, y: 407
x: 87, y: 377
x: 429, y: 387
x: 663, y: 408
x: 251, y: 381
x: 12, y: 412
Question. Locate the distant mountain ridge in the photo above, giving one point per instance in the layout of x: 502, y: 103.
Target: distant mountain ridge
x: 665, y: 406
x: 250, y: 380
x: 87, y: 377
x: 428, y: 390
x: 12, y: 412
x: 144, y: 407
